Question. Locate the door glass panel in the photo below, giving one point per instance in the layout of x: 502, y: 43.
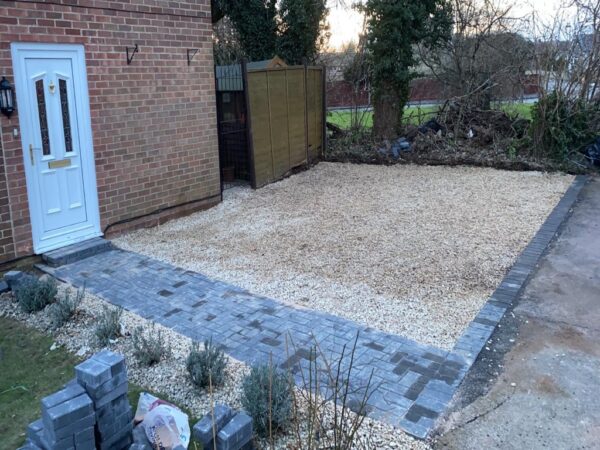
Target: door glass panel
x: 64, y: 105
x: 41, y: 101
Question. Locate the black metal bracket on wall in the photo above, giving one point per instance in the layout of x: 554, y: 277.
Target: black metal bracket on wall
x: 191, y: 52
x: 133, y: 50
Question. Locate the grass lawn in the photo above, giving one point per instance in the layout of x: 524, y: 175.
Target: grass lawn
x: 522, y: 110
x: 413, y: 114
x: 416, y: 115
x: 30, y: 371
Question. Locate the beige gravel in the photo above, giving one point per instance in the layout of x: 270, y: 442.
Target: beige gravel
x: 410, y: 250
x: 169, y: 377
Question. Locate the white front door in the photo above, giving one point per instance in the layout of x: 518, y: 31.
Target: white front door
x: 53, y: 106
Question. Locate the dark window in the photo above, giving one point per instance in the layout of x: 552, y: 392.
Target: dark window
x: 41, y: 100
x: 66, y: 119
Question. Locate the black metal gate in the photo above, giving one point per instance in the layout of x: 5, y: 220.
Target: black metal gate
x: 232, y: 119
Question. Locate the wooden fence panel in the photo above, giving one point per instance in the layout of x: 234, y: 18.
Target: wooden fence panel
x: 286, y: 111
x: 296, y: 94
x: 280, y: 146
x: 258, y: 99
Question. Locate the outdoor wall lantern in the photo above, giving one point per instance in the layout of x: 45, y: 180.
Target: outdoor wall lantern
x: 7, y: 98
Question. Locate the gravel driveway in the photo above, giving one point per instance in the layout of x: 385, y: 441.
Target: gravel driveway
x: 410, y: 250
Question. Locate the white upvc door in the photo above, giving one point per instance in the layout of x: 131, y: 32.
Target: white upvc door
x: 54, y: 116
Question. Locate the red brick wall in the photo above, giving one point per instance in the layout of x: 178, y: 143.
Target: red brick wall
x: 341, y: 94
x: 7, y: 250
x: 153, y: 122
x: 426, y: 89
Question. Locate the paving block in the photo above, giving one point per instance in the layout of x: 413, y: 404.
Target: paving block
x: 203, y: 430
x: 108, y: 429
x: 107, y: 387
x: 13, y: 275
x: 76, y: 252
x: 71, y: 382
x: 62, y: 444
x: 70, y: 411
x: 35, y: 427
x: 34, y: 432
x: 92, y: 373
x: 116, y: 361
x: 88, y: 445
x: 72, y: 428
x: 110, y: 410
x: 140, y: 438
x: 29, y: 446
x: 16, y: 278
x: 62, y: 396
x: 86, y: 434
x: 236, y: 434
x: 120, y: 440
x: 113, y: 395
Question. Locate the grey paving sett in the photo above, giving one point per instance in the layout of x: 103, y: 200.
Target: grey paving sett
x: 413, y: 382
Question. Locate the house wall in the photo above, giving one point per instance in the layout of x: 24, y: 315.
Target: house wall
x: 7, y: 250
x: 153, y: 122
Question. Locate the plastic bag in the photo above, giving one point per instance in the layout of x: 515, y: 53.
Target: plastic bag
x: 166, y: 426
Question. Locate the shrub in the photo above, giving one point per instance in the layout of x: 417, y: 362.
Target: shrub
x: 206, y: 366
x: 65, y: 308
x: 34, y: 295
x: 109, y: 325
x: 149, y: 347
x: 561, y: 124
x: 266, y: 397
x: 329, y: 411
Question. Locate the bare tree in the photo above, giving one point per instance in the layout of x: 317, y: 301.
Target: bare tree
x: 485, y: 58
x: 567, y: 60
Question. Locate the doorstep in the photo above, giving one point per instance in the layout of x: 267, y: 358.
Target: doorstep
x: 76, y: 252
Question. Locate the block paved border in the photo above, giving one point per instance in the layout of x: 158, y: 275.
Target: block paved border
x: 479, y: 331
x: 414, y: 383
x: 470, y: 344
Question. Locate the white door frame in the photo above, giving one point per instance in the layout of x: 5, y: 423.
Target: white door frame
x: 91, y: 227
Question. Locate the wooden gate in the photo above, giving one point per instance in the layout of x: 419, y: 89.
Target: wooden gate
x: 287, y: 115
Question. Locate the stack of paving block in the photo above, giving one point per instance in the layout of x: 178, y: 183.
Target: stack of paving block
x: 104, y: 377
x: 14, y: 279
x: 67, y: 421
x: 233, y: 430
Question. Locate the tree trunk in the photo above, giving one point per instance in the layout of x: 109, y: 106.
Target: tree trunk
x: 388, y: 107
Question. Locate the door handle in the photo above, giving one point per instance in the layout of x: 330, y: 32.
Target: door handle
x: 31, y: 154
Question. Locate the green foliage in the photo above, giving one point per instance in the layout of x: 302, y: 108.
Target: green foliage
x: 34, y: 295
x: 149, y: 347
x: 292, y: 29
x: 303, y: 29
x: 393, y: 29
x: 561, y: 125
x: 206, y: 366
x: 512, y: 151
x: 65, y: 308
x: 267, y: 398
x: 256, y: 24
x: 109, y: 325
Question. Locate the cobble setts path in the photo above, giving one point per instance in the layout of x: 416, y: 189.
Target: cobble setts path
x: 412, y: 383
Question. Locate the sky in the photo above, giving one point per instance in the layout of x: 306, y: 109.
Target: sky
x: 345, y: 24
